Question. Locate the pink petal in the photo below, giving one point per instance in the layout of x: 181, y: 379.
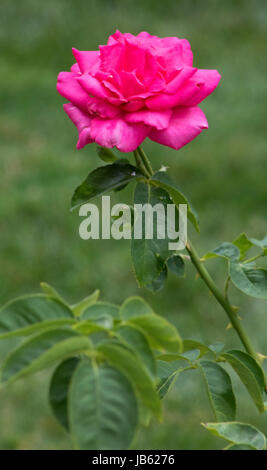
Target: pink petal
x: 82, y: 122
x: 187, y: 54
x: 86, y: 59
x: 111, y: 57
x: 163, y: 101
x: 185, y: 125
x: 68, y: 86
x: 130, y: 85
x: 193, y: 91
x: 133, y: 105
x: 117, y: 97
x: 172, y: 57
x: 134, y: 56
x: 182, y: 76
x: 117, y: 133
x: 206, y: 81
x: 92, y: 86
x: 75, y: 68
x: 102, y: 108
x: 121, y: 37
x: 158, y: 119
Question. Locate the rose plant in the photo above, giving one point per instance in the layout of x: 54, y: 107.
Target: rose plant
x: 115, y: 364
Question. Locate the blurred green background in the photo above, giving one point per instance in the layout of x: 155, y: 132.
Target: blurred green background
x: 223, y: 172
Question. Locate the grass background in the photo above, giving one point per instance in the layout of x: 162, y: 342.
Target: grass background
x: 223, y: 172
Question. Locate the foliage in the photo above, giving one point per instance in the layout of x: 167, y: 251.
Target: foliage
x: 41, y: 224
x: 115, y: 364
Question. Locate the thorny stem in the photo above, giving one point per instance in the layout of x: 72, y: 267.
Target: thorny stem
x: 204, y: 274
x: 226, y: 286
x: 224, y: 302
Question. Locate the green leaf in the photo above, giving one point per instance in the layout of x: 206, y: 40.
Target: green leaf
x: 260, y: 243
x: 103, y: 408
x: 149, y: 254
x: 244, y: 244
x: 225, y: 250
x: 216, y: 348
x: 31, y: 313
x: 100, y: 309
x: 159, y: 283
x: 162, y: 180
x: 128, y: 363
x: 104, y: 179
x: 176, y: 264
x: 250, y: 374
x: 137, y: 341
x: 239, y: 447
x: 219, y: 388
x: 51, y: 292
x: 81, y: 306
x: 41, y: 351
x: 144, y: 415
x: 59, y: 389
x: 238, y: 433
x: 106, y: 154
x: 87, y: 327
x: 189, y: 356
x: 167, y: 373
x: 160, y: 333
x: 252, y: 281
x: 189, y: 344
x: 134, y: 307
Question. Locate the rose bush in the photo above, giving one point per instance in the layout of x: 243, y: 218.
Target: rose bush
x: 116, y: 363
x: 136, y: 87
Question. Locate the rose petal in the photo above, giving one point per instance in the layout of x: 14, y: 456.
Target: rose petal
x: 193, y: 91
x: 182, y: 76
x: 102, y: 108
x: 92, y: 86
x: 75, y: 68
x: 130, y: 85
x: 68, y: 86
x: 158, y: 119
x: 133, y: 105
x: 187, y: 52
x: 134, y: 57
x: 163, y: 101
x: 185, y: 125
x: 82, y: 122
x: 117, y: 97
x: 111, y: 57
x: 206, y: 81
x: 117, y: 133
x: 172, y: 58
x: 86, y: 60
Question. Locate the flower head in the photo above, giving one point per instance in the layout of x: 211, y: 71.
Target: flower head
x: 136, y: 87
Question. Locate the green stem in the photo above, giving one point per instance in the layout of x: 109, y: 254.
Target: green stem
x: 204, y: 274
x: 145, y: 160
x: 140, y: 164
x: 226, y: 287
x: 254, y: 258
x: 223, y: 301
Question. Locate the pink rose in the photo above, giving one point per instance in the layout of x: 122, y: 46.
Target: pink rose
x: 137, y: 87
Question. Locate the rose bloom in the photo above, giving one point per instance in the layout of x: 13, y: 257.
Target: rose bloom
x: 137, y: 87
